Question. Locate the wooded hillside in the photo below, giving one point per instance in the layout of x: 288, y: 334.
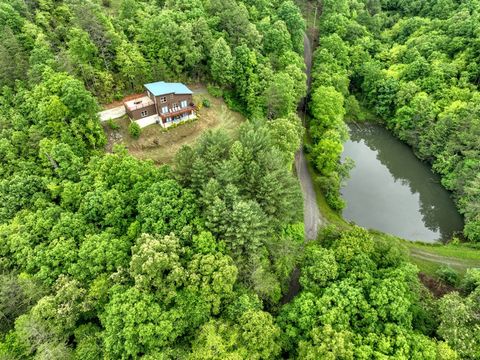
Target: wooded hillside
x: 104, y: 256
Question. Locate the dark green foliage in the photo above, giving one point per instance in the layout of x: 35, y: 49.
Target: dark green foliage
x: 206, y: 103
x: 247, y: 195
x: 471, y: 280
x: 17, y: 295
x: 447, y: 274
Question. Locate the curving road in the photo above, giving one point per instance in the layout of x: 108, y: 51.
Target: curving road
x: 313, y: 219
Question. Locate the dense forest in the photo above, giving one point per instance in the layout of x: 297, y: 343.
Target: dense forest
x: 104, y: 256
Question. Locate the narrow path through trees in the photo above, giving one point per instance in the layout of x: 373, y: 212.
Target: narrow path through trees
x: 312, y: 217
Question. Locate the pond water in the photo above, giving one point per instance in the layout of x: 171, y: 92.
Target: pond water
x: 391, y: 190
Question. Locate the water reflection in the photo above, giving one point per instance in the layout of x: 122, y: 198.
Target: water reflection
x: 391, y: 190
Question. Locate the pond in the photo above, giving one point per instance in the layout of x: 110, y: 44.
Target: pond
x: 391, y: 190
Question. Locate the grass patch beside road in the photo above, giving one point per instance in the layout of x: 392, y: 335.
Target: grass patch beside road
x: 430, y: 257
x: 161, y: 145
x: 328, y: 213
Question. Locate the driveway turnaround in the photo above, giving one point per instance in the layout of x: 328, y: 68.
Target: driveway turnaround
x: 113, y: 113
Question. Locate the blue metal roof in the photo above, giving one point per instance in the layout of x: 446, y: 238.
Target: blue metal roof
x: 161, y: 88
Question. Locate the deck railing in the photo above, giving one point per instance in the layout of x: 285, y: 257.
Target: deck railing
x: 177, y: 112
x: 139, y: 106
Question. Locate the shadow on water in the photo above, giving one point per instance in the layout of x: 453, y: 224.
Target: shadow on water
x: 391, y: 190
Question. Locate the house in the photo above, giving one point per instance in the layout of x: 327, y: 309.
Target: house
x: 164, y: 104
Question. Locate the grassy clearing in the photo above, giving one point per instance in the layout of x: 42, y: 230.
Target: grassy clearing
x: 430, y: 257
x: 161, y: 145
x: 462, y: 251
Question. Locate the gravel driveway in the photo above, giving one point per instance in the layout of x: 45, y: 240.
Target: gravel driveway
x: 113, y: 113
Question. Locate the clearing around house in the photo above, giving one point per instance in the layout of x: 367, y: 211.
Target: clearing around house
x: 159, y: 144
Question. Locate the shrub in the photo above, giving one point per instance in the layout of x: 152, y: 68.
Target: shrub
x: 471, y: 280
x: 352, y: 107
x: 113, y: 125
x: 448, y: 275
x: 215, y: 91
x: 206, y: 103
x: 134, y: 130
x: 233, y: 103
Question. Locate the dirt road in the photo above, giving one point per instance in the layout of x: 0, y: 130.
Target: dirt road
x: 459, y: 264
x: 313, y: 219
x: 113, y: 113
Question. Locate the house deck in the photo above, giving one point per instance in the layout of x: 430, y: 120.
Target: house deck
x: 139, y: 103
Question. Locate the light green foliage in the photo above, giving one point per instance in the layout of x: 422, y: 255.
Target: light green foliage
x: 255, y: 336
x: 171, y: 45
x: 328, y: 133
x: 352, y: 307
x: 281, y: 96
x: 134, y: 130
x: 276, y: 39
x: 294, y: 21
x: 101, y: 253
x: 135, y: 324
x: 165, y: 207
x: 318, y: 268
x: 132, y: 64
x: 106, y: 256
x: 63, y: 110
x: 246, y: 80
x: 459, y: 324
x: 156, y: 264
x: 287, y: 135
x: 178, y: 292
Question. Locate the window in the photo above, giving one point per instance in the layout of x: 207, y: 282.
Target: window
x: 175, y: 106
x: 184, y: 104
x: 163, y: 99
x: 164, y: 109
x: 144, y: 113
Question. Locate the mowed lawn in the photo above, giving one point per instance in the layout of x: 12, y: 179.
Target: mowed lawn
x: 161, y: 145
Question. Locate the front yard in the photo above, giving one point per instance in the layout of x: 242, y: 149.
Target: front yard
x: 161, y: 145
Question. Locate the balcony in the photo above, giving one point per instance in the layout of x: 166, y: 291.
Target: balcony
x: 178, y: 112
